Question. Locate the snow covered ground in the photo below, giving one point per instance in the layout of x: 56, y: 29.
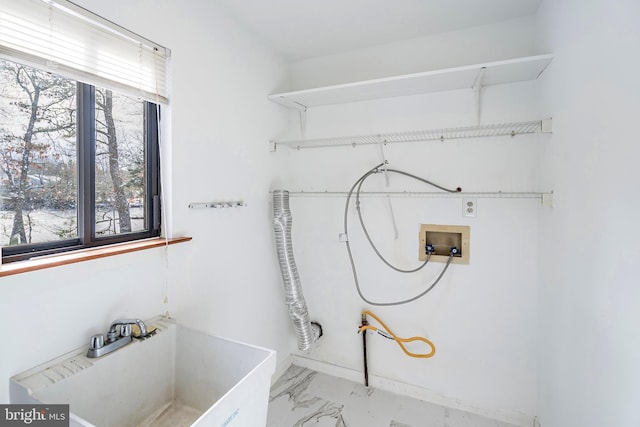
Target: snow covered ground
x: 51, y: 225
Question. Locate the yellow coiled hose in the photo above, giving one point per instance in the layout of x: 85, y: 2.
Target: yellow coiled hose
x: 389, y: 334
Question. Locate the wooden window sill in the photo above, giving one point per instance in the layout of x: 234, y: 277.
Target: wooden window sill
x: 49, y: 261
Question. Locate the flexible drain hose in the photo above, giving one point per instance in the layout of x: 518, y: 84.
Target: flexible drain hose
x: 390, y: 335
x: 306, y: 331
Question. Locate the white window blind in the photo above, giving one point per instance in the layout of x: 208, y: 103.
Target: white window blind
x: 63, y: 38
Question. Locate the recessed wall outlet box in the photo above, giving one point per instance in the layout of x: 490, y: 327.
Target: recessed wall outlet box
x: 442, y: 238
x: 469, y: 207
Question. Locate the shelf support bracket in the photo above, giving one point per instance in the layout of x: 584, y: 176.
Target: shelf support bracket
x: 477, y: 89
x: 387, y: 184
x: 302, y: 115
x: 384, y: 161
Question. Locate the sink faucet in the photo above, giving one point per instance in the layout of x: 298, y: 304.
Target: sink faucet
x: 126, y: 327
x: 118, y: 336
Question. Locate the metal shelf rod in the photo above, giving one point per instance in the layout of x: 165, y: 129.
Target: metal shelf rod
x: 427, y: 194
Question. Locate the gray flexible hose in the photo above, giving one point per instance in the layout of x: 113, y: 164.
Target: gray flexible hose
x: 307, y: 332
x: 358, y: 184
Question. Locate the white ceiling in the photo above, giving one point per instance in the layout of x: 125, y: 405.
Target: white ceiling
x: 307, y: 28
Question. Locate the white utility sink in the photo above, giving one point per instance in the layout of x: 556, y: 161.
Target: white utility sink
x: 178, y: 377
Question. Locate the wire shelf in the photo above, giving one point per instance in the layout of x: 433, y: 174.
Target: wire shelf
x: 444, y: 134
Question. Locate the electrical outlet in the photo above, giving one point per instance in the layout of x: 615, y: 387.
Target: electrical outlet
x: 469, y: 207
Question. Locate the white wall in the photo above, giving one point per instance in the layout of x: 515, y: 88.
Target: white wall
x: 589, y: 269
x: 503, y: 40
x: 226, y: 280
x: 482, y: 317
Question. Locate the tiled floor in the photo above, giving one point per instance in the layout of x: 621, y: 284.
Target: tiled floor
x: 305, y: 398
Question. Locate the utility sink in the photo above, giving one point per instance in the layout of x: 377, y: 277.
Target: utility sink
x: 178, y: 377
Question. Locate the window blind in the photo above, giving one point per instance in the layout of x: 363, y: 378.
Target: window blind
x: 63, y: 38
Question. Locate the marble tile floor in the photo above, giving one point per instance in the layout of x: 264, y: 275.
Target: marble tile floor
x: 305, y: 398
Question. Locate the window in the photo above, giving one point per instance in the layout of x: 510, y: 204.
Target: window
x: 79, y: 142
x: 79, y: 164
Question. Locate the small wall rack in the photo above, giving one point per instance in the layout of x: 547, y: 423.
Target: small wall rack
x: 218, y: 204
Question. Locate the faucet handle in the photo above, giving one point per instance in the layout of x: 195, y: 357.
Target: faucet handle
x: 97, y: 341
x: 128, y: 322
x: 125, y: 330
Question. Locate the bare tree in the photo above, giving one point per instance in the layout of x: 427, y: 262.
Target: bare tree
x: 104, y: 101
x: 46, y: 106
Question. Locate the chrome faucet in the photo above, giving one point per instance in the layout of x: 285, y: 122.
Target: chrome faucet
x: 126, y: 324
x: 118, y: 336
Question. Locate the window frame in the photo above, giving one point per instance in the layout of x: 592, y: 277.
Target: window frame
x: 86, y: 149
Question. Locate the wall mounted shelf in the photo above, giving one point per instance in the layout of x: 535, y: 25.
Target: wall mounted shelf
x: 502, y: 129
x: 469, y: 76
x: 473, y: 77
